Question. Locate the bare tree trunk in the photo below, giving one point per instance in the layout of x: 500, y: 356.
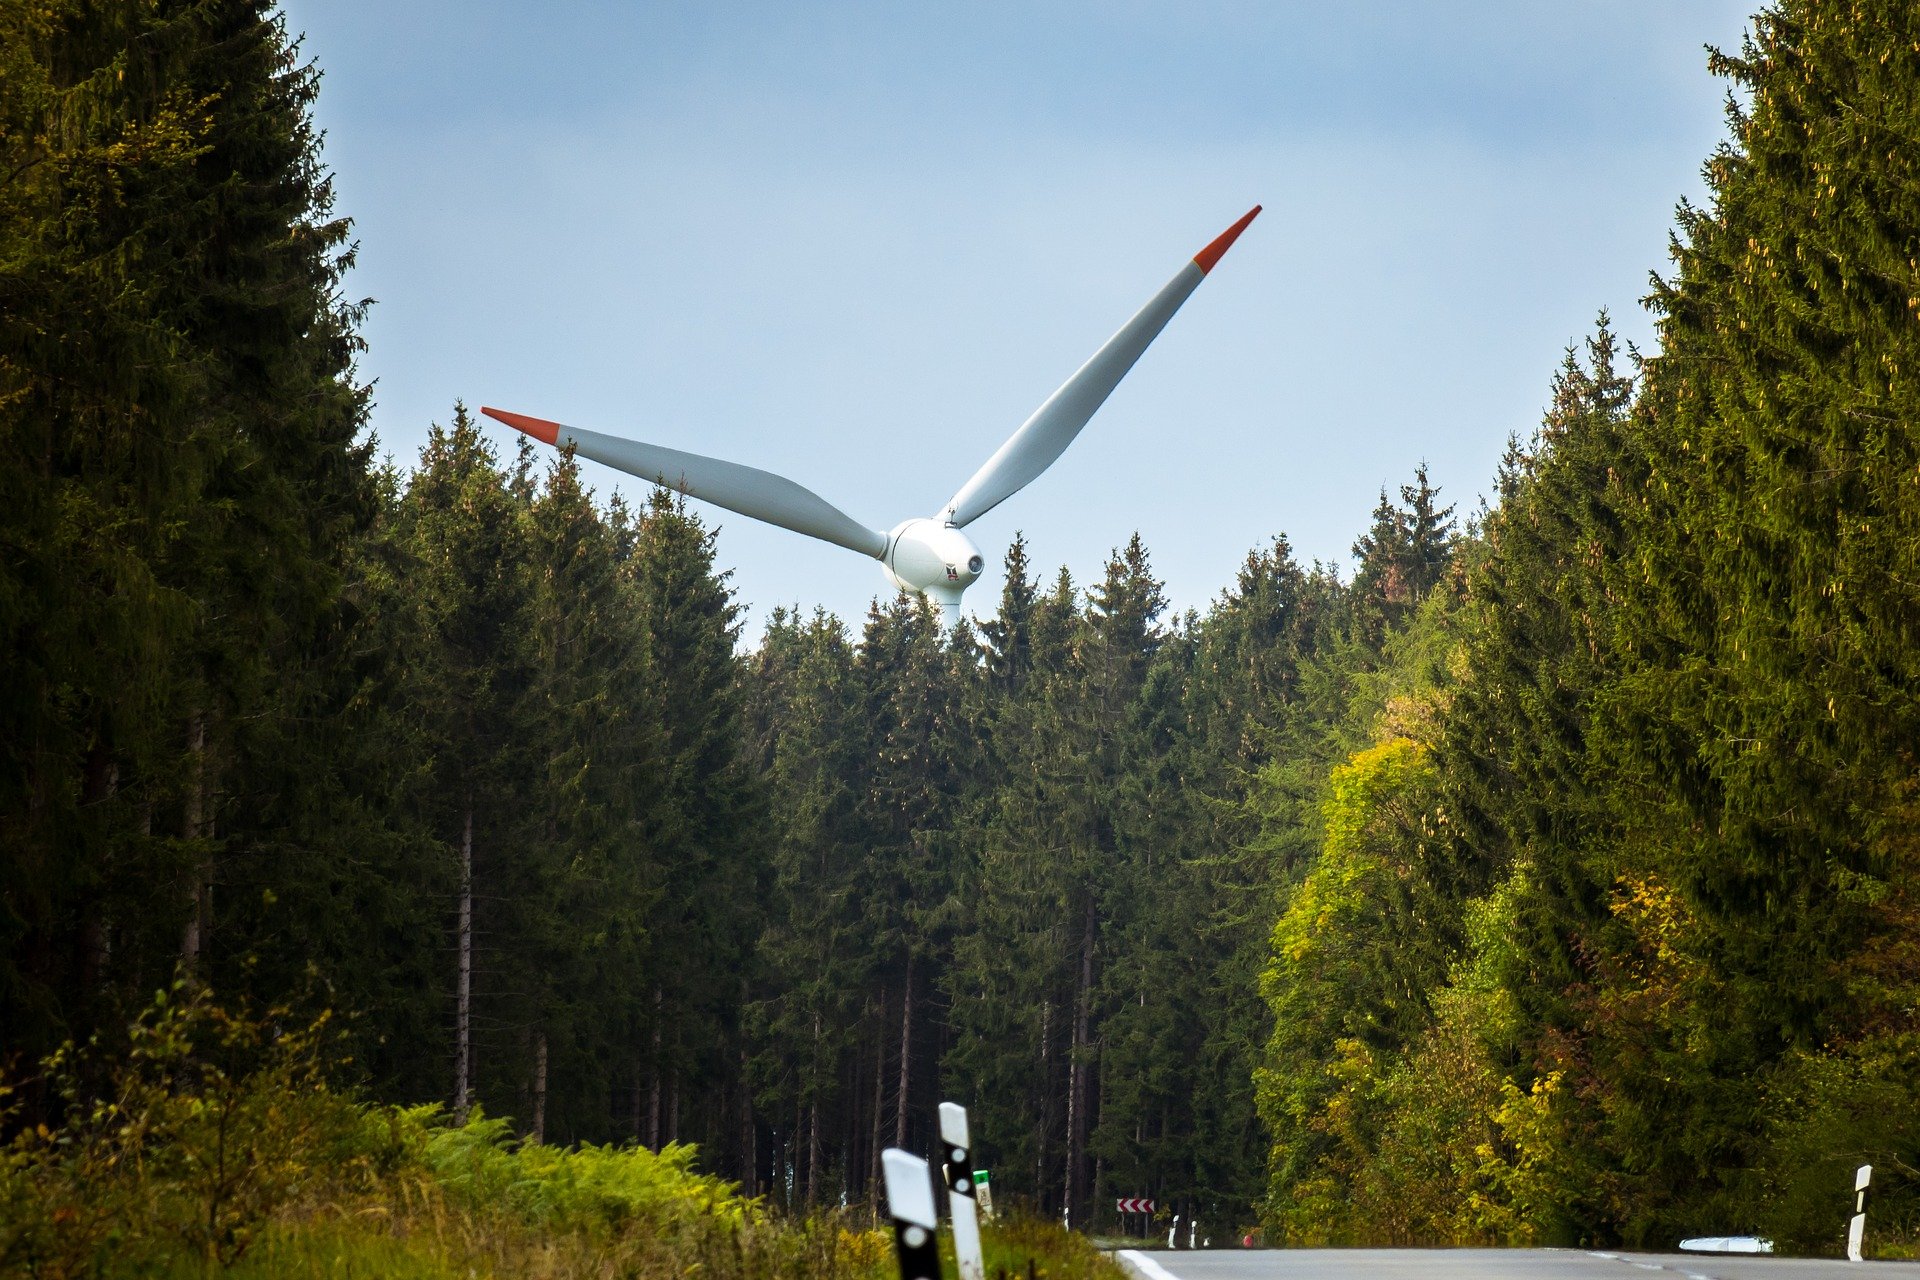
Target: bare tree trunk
x: 463, y: 991
x: 749, y: 1156
x: 813, y: 1153
x: 653, y: 1086
x: 776, y: 1179
x: 540, y: 1086
x: 879, y: 1106
x: 99, y: 780
x: 193, y: 827
x: 813, y: 1127
x: 906, y: 1056
x: 673, y: 1106
x: 1046, y: 1102
x: 1077, y: 1073
x: 796, y: 1192
x: 640, y: 1092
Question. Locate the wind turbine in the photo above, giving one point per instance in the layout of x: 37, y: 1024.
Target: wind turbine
x: 927, y: 554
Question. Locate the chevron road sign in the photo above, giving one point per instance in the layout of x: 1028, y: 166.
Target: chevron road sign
x: 1135, y: 1206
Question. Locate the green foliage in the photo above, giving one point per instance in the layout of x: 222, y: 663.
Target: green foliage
x: 176, y: 365
x: 1554, y: 880
x: 216, y: 1147
x: 1016, y: 1245
x: 223, y: 1152
x: 1359, y: 944
x: 206, y: 1125
x: 1673, y: 751
x: 483, y: 1166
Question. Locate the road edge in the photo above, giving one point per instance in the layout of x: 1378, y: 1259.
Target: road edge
x: 1146, y: 1267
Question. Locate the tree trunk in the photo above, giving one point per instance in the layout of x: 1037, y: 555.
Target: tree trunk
x: 813, y: 1126
x: 1077, y: 1073
x: 879, y: 1106
x: 749, y: 1157
x: 463, y: 991
x: 653, y: 1067
x: 1040, y: 1181
x: 796, y: 1192
x: 906, y: 1056
x: 193, y: 827
x: 539, y: 1086
x: 99, y: 780
x: 637, y: 1104
x: 813, y: 1153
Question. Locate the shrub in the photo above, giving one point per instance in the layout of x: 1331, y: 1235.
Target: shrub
x: 211, y: 1123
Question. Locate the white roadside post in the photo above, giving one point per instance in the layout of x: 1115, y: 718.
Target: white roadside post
x: 910, y: 1204
x: 1173, y: 1233
x: 960, y: 1203
x: 1858, y: 1227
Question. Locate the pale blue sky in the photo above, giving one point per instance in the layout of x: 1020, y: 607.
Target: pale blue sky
x: 856, y: 244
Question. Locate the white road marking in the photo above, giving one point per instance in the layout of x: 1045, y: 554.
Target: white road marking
x: 1146, y: 1266
x: 1646, y: 1266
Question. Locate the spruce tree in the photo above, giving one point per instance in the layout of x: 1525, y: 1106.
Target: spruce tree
x: 178, y: 363
x: 470, y: 559
x: 707, y: 826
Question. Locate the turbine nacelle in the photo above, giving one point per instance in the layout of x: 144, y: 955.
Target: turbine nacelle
x: 934, y: 559
x: 930, y: 556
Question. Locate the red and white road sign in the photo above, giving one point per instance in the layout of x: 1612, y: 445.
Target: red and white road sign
x: 1135, y: 1206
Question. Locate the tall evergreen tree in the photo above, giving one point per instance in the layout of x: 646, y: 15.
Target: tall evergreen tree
x: 707, y: 824
x: 470, y: 561
x: 816, y: 961
x: 178, y: 364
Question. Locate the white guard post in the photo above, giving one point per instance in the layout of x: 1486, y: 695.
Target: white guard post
x: 1857, y: 1229
x: 957, y: 1152
x: 910, y: 1204
x: 1173, y: 1233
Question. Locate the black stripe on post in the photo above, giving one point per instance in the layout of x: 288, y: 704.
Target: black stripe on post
x: 910, y: 1203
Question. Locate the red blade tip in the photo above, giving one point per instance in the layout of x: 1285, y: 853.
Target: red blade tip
x: 539, y: 428
x: 1218, y: 249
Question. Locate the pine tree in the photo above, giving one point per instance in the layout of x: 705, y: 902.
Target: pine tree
x: 1009, y: 632
x: 815, y: 959
x: 1764, y: 712
x: 1402, y: 557
x: 1242, y: 692
x: 178, y: 365
x: 707, y: 826
x: 470, y: 558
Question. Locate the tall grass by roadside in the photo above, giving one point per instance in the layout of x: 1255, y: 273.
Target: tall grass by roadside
x: 214, y: 1144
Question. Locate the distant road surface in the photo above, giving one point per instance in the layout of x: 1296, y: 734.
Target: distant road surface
x: 1492, y: 1264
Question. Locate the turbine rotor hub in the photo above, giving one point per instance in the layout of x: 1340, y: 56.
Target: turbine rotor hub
x: 934, y: 559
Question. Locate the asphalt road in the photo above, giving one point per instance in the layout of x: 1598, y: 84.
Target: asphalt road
x: 1492, y: 1264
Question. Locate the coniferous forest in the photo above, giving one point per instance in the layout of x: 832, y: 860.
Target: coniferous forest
x: 1553, y: 876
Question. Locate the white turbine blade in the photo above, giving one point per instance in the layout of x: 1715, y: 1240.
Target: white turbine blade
x: 750, y: 491
x: 1046, y: 435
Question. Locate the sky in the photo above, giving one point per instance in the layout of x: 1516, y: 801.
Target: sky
x: 856, y: 244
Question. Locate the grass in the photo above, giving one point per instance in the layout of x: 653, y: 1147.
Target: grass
x: 212, y: 1145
